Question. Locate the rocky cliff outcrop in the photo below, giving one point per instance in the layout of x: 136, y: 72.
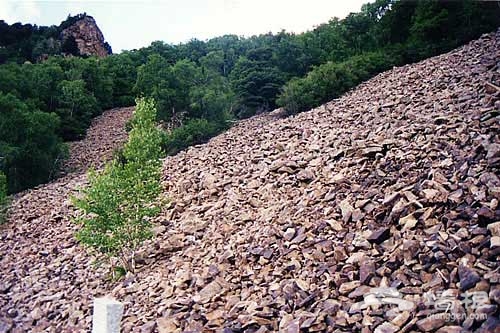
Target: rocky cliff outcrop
x: 87, y: 36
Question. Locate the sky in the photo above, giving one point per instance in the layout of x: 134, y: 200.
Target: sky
x: 131, y: 24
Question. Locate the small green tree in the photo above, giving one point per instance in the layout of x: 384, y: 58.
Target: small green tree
x: 120, y: 201
x: 76, y: 107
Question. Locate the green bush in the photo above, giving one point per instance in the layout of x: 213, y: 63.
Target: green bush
x: 195, y: 131
x: 331, y: 80
x: 119, y: 202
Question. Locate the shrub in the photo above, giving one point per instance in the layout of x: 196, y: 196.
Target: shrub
x: 119, y: 202
x: 330, y: 80
x: 194, y: 131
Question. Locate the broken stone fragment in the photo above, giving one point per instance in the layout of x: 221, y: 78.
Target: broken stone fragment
x: 347, y: 287
x: 430, y: 323
x: 495, y: 241
x: 387, y: 327
x: 366, y: 271
x: 334, y: 225
x: 494, y: 228
x: 408, y: 222
x: 346, y: 210
x: 486, y: 215
x: 401, y: 319
x: 451, y: 329
x: 491, y: 325
x: 493, y: 154
x: 289, y: 234
x: 468, y: 277
x: 495, y: 295
x: 209, y: 291
x: 305, y: 175
x: 380, y: 235
x: 166, y: 325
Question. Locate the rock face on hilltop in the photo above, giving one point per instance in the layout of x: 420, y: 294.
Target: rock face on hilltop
x: 87, y: 36
x: 362, y: 215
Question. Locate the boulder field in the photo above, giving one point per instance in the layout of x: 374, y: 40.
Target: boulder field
x: 376, y: 212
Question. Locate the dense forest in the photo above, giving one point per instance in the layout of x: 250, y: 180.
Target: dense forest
x: 200, y: 86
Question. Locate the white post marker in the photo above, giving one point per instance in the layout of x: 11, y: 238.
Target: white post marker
x: 107, y: 315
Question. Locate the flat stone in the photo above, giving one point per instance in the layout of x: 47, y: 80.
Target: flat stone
x: 165, y: 325
x: 209, y: 291
x: 429, y: 324
x: 347, y: 287
x: 495, y: 295
x: 491, y: 325
x: 386, y: 327
x: 380, y: 235
x: 366, y: 271
x: 401, y: 319
x: 495, y: 241
x: 451, y: 329
x: 468, y: 277
x: 289, y: 234
x: 359, y: 292
x: 494, y: 228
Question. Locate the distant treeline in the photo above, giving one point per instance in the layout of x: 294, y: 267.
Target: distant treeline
x: 200, y: 85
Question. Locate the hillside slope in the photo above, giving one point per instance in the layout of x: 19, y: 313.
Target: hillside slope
x: 43, y: 271
x: 285, y: 224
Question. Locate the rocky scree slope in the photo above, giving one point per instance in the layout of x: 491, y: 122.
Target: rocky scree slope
x: 285, y: 224
x: 106, y: 134
x: 45, y: 276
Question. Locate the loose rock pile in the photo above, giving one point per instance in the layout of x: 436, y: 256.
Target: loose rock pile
x: 105, y: 135
x: 293, y: 224
x: 46, y: 279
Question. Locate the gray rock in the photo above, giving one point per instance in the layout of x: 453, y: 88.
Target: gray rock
x: 366, y: 271
x: 386, y: 328
x: 430, y: 324
x: 468, y: 277
x: 380, y: 235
